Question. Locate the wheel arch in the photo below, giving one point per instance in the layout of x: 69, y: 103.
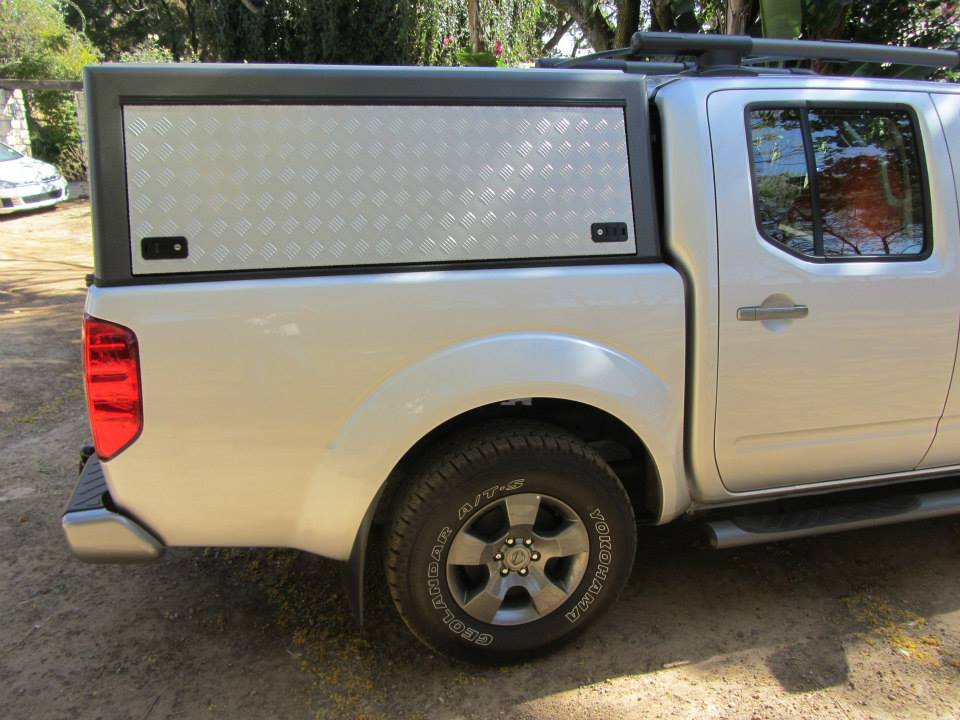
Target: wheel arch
x: 625, y: 451
x: 614, y: 439
x: 568, y: 377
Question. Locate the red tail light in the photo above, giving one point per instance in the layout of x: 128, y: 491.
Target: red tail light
x: 111, y: 365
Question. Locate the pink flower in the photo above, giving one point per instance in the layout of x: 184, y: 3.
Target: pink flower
x: 498, y: 49
x: 448, y: 41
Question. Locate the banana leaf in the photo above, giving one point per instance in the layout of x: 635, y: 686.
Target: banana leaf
x: 781, y: 18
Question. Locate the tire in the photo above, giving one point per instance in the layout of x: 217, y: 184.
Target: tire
x: 485, y: 558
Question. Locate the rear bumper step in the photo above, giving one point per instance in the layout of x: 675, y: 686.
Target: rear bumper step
x: 756, y: 529
x: 97, y: 532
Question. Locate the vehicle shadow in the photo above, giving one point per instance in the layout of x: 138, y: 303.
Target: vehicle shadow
x: 792, y: 609
x: 29, y: 212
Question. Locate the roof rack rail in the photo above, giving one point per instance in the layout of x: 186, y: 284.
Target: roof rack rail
x: 742, y: 54
x: 588, y: 62
x: 724, y: 51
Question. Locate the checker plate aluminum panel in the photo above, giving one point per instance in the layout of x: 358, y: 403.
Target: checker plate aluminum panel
x: 255, y: 187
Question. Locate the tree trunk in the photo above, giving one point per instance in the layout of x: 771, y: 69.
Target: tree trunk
x: 592, y: 23
x: 662, y: 16
x: 628, y: 21
x: 741, y: 14
x: 561, y: 30
x: 192, y: 29
x: 473, y: 18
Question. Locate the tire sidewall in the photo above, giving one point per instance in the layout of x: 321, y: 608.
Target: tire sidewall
x: 594, y: 495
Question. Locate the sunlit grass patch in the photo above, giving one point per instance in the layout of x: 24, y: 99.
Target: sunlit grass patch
x: 48, y: 409
x: 901, y: 629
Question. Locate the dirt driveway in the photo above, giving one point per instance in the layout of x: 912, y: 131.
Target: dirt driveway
x: 863, y: 625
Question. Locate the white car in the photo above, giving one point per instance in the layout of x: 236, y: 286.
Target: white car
x: 26, y: 184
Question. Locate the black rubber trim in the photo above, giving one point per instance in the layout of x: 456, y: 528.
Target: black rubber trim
x: 829, y: 515
x: 420, y: 101
x: 92, y: 493
x: 814, y: 177
x: 92, y: 486
x: 354, y: 570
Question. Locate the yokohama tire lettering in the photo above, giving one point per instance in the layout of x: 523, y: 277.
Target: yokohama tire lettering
x: 604, y: 558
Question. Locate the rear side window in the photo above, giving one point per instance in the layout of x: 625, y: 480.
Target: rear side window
x: 782, y: 179
x: 839, y: 183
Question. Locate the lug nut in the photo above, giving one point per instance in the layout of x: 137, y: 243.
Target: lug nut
x: 498, y: 556
x: 510, y: 541
x: 535, y: 556
x: 528, y: 542
x: 522, y: 571
x: 504, y: 571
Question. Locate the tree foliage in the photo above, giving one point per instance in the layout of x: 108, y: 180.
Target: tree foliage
x: 399, y: 32
x: 117, y: 27
x: 36, y: 42
x: 510, y: 31
x: 338, y: 31
x: 606, y: 24
x: 925, y: 23
x: 148, y: 51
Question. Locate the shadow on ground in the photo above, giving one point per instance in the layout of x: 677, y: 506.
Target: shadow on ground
x: 268, y: 631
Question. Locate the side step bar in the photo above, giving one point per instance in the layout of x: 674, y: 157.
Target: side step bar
x: 757, y: 529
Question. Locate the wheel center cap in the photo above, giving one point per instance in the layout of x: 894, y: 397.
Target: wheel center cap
x: 517, y: 558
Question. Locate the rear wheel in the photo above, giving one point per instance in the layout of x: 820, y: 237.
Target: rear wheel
x: 509, y: 542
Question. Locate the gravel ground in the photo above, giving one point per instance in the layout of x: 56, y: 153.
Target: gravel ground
x: 862, y: 625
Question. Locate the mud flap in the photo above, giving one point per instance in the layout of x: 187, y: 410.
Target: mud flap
x: 353, y: 571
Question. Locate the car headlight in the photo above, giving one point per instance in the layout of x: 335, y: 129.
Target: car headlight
x: 6, y: 184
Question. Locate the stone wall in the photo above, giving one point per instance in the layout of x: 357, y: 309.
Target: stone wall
x: 13, y: 121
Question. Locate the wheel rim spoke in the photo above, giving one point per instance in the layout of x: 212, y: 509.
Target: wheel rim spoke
x: 485, y: 604
x: 572, y: 540
x: 546, y: 595
x: 468, y: 549
x: 497, y: 571
x: 522, y: 509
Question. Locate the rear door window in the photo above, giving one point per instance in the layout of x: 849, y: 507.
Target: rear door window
x: 840, y: 183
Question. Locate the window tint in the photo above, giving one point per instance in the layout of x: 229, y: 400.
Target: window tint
x: 780, y: 172
x: 865, y: 198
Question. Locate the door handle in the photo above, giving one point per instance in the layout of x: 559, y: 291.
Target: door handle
x: 761, y: 312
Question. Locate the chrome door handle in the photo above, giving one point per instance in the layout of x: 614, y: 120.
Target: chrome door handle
x: 760, y: 312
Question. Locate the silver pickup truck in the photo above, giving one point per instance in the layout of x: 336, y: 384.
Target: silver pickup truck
x: 500, y: 317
